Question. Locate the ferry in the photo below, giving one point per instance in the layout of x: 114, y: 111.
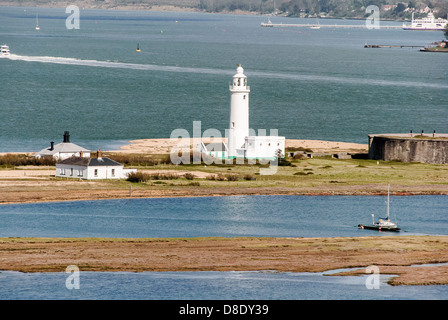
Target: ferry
x: 4, y: 51
x: 429, y: 23
x: 383, y: 224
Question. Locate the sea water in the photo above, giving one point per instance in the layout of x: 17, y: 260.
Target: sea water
x: 308, y: 84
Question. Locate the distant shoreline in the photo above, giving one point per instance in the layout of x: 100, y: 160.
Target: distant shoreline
x: 171, y: 8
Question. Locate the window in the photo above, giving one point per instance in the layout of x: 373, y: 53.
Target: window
x: 80, y: 173
x: 95, y: 172
x: 244, y: 97
x: 62, y: 171
x: 113, y: 172
x: 233, y: 124
x: 71, y: 172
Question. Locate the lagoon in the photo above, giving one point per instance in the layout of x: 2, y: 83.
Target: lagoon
x: 230, y: 216
x: 260, y: 216
x: 207, y: 286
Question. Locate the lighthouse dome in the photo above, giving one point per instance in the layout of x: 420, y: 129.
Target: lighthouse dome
x: 239, y: 71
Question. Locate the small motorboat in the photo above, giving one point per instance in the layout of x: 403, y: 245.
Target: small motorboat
x: 138, y: 47
x: 4, y: 51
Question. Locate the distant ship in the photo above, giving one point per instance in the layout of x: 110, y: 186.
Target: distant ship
x: 429, y: 23
x: 138, y: 47
x: 4, y: 51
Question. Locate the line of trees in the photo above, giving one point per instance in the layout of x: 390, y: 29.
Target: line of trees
x: 330, y: 8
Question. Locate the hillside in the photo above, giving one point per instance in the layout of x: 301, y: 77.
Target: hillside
x: 390, y: 9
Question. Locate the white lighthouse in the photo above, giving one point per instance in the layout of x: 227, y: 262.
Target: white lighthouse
x: 239, y: 114
x: 239, y: 143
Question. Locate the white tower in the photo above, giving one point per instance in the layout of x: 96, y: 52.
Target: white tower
x: 239, y: 113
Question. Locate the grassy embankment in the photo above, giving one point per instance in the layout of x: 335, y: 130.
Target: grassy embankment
x: 391, y: 254
x: 306, y: 176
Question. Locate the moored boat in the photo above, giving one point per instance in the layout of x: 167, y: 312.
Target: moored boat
x: 383, y: 224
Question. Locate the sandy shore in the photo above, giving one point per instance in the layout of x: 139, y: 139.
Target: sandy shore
x: 392, y: 255
x: 163, y: 146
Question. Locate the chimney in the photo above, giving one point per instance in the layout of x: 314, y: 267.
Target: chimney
x: 99, y: 154
x: 51, y: 145
x: 66, y: 137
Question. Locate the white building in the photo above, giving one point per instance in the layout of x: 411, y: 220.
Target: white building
x: 63, y: 150
x: 240, y: 144
x: 217, y: 150
x: 264, y: 147
x: 91, y: 168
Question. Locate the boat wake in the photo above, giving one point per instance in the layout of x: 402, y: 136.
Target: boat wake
x: 267, y: 74
x: 111, y: 64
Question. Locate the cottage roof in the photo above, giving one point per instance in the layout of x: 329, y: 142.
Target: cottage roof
x: 63, y: 147
x: 90, y: 162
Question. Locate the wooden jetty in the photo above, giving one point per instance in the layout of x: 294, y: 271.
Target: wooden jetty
x: 319, y: 26
x: 389, y: 46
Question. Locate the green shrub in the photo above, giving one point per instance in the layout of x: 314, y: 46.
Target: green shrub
x: 25, y: 160
x: 138, y: 177
x: 189, y: 176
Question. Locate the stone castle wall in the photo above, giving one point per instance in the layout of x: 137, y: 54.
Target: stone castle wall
x: 405, y: 148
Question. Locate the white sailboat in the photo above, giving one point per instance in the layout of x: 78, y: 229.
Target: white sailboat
x: 383, y: 224
x: 37, y: 22
x: 316, y: 26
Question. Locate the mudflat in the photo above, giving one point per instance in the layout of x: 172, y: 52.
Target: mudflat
x: 391, y: 254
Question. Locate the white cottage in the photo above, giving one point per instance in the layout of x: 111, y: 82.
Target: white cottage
x: 63, y: 150
x: 91, y: 168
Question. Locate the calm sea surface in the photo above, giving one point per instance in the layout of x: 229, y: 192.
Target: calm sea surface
x: 308, y: 84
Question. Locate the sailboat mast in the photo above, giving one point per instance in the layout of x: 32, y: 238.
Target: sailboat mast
x: 388, y: 192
